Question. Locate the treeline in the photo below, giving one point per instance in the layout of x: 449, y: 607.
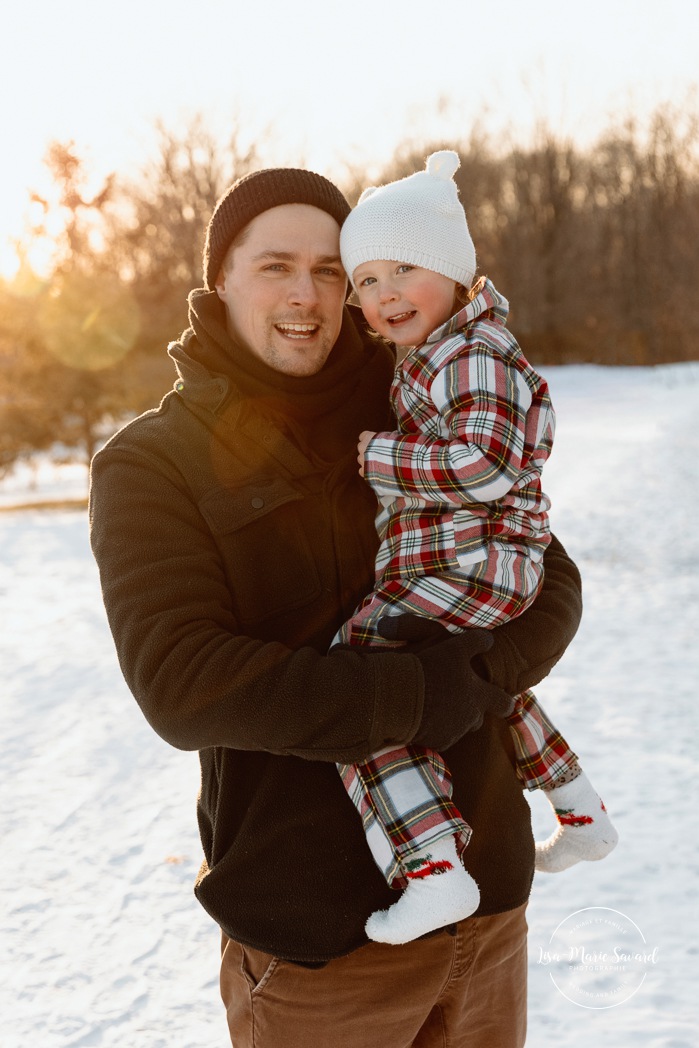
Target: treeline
x: 595, y: 248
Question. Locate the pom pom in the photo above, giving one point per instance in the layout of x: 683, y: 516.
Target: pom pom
x: 443, y: 164
x: 369, y: 191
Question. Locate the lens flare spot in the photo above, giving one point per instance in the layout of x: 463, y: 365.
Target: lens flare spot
x: 89, y: 321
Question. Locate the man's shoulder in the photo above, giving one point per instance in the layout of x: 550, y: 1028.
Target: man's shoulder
x: 150, y: 427
x: 160, y: 438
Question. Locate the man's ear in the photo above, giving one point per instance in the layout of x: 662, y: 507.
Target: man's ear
x: 220, y: 284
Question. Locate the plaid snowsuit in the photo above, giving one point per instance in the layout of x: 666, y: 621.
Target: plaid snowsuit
x: 463, y: 526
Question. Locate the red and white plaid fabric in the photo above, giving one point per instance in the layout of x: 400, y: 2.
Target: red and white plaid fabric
x: 463, y: 528
x: 464, y: 473
x: 404, y: 798
x: 404, y: 794
x: 494, y: 591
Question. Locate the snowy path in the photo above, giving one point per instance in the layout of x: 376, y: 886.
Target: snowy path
x: 102, y: 941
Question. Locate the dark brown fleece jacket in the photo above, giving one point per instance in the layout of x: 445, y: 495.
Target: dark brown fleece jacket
x: 233, y: 537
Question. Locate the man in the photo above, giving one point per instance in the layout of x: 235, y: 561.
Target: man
x: 234, y: 535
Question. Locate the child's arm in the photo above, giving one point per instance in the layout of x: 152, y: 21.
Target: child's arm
x: 488, y: 406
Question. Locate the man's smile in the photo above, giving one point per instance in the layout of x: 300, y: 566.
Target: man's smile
x: 297, y: 331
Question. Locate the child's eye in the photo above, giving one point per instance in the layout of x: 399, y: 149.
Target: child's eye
x: 405, y: 268
x: 366, y: 281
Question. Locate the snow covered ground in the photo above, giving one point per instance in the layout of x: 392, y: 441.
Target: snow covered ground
x: 102, y: 941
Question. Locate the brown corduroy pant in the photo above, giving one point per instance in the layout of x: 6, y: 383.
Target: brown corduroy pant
x: 465, y: 990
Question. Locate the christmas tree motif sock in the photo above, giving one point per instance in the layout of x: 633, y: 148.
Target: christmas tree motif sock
x: 439, y: 892
x: 585, y: 831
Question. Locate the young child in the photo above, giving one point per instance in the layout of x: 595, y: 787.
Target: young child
x: 463, y: 526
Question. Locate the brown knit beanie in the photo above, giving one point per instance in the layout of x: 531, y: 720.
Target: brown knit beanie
x: 257, y: 192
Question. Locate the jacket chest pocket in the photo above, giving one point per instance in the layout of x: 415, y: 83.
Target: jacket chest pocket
x: 263, y: 531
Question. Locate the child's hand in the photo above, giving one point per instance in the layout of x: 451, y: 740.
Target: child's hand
x: 364, y: 438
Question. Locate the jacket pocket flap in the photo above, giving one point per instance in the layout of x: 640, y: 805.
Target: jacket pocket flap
x: 228, y: 510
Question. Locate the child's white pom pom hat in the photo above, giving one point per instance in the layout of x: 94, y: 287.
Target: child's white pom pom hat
x: 418, y: 220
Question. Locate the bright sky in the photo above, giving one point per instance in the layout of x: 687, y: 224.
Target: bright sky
x: 336, y: 82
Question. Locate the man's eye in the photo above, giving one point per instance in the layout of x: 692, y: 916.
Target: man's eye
x: 330, y: 272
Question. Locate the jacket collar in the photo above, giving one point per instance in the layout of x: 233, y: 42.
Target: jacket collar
x: 488, y: 300
x: 211, y: 366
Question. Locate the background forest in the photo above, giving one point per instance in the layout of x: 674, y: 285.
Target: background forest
x: 595, y: 247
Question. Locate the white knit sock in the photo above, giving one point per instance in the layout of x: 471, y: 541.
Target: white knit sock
x: 585, y: 831
x: 439, y: 892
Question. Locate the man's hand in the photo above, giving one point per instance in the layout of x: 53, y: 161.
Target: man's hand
x: 455, y: 698
x: 364, y: 438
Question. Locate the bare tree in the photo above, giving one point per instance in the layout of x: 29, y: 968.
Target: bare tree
x: 595, y: 249
x: 63, y: 344
x: 158, y: 237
